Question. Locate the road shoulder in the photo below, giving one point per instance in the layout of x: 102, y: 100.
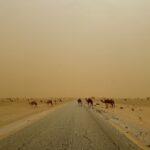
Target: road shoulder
x: 123, y: 141
x: 14, y: 127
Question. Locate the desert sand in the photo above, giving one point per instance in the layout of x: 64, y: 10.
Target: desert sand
x: 14, y: 109
x: 132, y: 116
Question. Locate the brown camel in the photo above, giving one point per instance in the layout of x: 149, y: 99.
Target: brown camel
x: 79, y: 102
x: 109, y: 101
x: 33, y: 103
x: 89, y: 102
x: 49, y: 102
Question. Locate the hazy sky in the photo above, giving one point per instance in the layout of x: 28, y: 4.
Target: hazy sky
x: 75, y: 48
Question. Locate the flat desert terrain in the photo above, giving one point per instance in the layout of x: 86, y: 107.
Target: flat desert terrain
x: 131, y: 116
x: 69, y: 127
x: 14, y: 109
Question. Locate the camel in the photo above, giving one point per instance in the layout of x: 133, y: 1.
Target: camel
x: 148, y: 98
x: 79, y: 102
x: 89, y: 102
x: 10, y: 99
x: 50, y: 102
x: 108, y: 101
x: 33, y: 103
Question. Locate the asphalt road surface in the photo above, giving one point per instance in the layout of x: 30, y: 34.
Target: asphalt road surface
x: 70, y: 127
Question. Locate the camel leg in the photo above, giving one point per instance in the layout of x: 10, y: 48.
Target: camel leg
x: 106, y: 105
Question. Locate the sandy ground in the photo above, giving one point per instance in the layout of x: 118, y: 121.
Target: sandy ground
x: 132, y: 116
x: 18, y: 114
x: 70, y: 127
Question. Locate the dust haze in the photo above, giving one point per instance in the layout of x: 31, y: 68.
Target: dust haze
x: 75, y: 48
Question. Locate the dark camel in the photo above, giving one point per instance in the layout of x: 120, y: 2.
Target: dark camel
x: 33, y: 103
x: 89, y: 102
x: 79, y: 102
x: 108, y: 102
x: 49, y: 102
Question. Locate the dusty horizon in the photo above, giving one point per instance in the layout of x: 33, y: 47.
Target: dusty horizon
x: 75, y: 48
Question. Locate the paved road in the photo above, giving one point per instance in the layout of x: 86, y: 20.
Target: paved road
x: 70, y: 127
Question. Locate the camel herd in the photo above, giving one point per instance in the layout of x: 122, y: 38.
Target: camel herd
x: 49, y: 102
x: 53, y: 101
x: 90, y: 102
